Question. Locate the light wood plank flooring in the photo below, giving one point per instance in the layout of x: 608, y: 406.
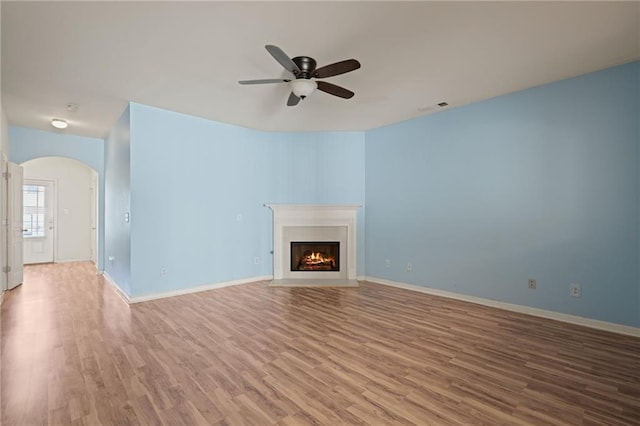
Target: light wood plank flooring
x: 74, y: 353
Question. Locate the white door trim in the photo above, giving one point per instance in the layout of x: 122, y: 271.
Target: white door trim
x: 15, y: 223
x: 51, y: 202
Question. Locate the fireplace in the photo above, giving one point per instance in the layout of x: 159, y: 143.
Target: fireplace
x: 333, y: 227
x: 312, y: 256
x: 324, y: 248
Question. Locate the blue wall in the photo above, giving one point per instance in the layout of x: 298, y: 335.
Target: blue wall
x: 198, y: 189
x: 27, y: 144
x: 117, y: 201
x: 539, y: 184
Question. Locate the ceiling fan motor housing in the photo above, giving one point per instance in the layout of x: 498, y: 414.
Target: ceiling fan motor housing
x: 307, y: 66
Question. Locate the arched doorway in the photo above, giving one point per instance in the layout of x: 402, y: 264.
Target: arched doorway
x: 61, y: 197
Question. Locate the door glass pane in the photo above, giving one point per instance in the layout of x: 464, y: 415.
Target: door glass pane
x: 34, y: 211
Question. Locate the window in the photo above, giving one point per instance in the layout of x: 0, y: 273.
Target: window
x: 34, y: 211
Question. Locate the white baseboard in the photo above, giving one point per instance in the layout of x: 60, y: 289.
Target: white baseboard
x: 572, y: 319
x: 213, y: 286
x: 116, y: 287
x: 71, y: 260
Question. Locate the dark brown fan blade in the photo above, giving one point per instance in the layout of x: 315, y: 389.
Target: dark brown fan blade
x: 334, y: 90
x: 265, y: 81
x: 283, y: 59
x: 293, y: 100
x: 337, y: 68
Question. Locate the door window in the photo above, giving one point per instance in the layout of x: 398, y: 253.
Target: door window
x: 34, y: 211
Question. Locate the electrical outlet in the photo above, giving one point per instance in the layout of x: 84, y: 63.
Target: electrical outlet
x: 575, y: 290
x: 409, y: 266
x: 163, y: 272
x: 532, y: 284
x: 256, y: 260
x: 387, y: 263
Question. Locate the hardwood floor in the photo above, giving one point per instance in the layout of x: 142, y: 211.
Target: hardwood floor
x: 74, y: 353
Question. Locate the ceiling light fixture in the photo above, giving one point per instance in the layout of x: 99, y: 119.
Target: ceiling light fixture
x: 302, y: 87
x: 59, y: 123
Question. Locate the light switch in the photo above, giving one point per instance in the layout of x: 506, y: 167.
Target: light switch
x: 65, y: 211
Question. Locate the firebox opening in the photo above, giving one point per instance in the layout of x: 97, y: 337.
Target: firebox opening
x: 315, y: 255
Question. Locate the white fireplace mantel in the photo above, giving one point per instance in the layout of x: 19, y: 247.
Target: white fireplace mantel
x: 287, y: 217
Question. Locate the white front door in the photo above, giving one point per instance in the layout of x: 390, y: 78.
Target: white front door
x: 14, y: 243
x: 38, y: 197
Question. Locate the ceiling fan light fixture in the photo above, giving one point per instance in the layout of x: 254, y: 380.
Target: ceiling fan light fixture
x: 302, y: 87
x: 59, y: 123
x: 304, y: 69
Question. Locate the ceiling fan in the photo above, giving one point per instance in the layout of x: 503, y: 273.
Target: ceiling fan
x: 304, y: 69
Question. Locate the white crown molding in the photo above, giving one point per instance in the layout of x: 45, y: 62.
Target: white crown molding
x: 572, y: 319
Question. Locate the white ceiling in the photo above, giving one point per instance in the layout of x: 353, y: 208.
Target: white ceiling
x: 188, y: 57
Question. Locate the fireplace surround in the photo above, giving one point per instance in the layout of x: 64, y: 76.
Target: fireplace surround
x: 335, y: 224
